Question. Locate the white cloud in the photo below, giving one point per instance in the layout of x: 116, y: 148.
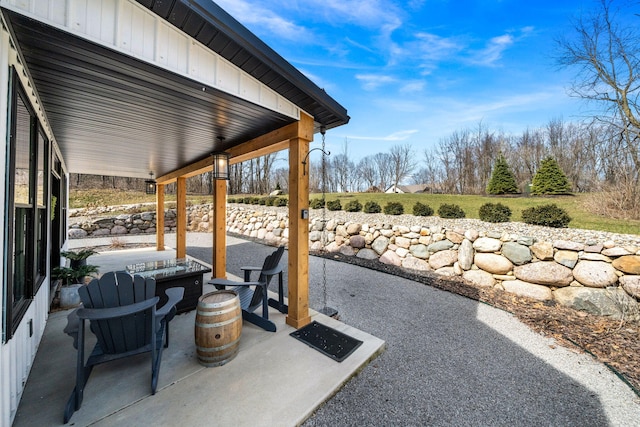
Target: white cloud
x: 396, y: 136
x: 374, y: 81
x: 493, y: 50
x: 253, y: 13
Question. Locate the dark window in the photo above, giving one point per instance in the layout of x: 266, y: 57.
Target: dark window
x: 27, y: 201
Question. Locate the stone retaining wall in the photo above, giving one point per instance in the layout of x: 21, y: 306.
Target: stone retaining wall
x: 600, y: 277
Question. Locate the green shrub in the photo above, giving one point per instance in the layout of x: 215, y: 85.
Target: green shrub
x: 450, y: 211
x: 231, y: 200
x: 316, y: 203
x: 372, y: 207
x: 262, y: 201
x: 494, y: 212
x: 269, y: 200
x: 255, y: 200
x: 281, y: 201
x: 548, y: 215
x: 334, y: 205
x: 393, y: 208
x: 353, y: 206
x: 420, y: 209
x: 247, y: 200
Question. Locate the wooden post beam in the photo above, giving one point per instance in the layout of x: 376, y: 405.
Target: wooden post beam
x: 160, y: 217
x: 219, y: 261
x: 298, y: 272
x: 181, y: 218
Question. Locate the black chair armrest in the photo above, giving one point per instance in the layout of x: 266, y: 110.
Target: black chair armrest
x: 113, y: 312
x: 175, y: 296
x: 225, y: 282
x: 273, y: 271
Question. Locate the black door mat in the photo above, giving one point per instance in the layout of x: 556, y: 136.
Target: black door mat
x: 327, y: 341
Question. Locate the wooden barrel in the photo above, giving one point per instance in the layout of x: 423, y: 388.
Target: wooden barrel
x: 218, y: 327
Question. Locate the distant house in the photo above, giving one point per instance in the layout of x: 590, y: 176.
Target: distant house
x: 409, y: 189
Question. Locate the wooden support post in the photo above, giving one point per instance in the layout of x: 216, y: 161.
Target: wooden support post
x: 160, y: 217
x: 219, y: 261
x: 298, y: 272
x: 181, y: 218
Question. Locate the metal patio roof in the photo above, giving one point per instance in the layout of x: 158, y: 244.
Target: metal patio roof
x: 112, y: 114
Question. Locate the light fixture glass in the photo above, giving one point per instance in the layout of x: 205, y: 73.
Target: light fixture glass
x: 150, y: 185
x: 220, y: 165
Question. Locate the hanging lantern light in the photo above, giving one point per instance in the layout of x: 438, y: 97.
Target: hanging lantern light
x: 150, y: 185
x: 220, y: 163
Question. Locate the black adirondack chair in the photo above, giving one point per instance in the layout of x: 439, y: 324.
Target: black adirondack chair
x: 253, y: 294
x: 122, y: 312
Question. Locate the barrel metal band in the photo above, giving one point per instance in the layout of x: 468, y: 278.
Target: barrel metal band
x: 215, y: 313
x: 222, y: 347
x: 219, y: 304
x: 215, y: 325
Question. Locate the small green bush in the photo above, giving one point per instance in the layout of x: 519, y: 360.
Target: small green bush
x: 548, y: 215
x: 247, y: 200
x: 255, y: 200
x: 231, y: 200
x: 393, y: 208
x: 262, y: 201
x: 372, y: 207
x: 353, y: 206
x: 420, y: 209
x: 281, y: 201
x: 269, y: 201
x: 450, y: 211
x: 316, y: 203
x: 494, y: 212
x: 334, y: 205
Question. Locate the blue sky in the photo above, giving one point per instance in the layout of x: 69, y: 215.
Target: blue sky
x: 413, y: 72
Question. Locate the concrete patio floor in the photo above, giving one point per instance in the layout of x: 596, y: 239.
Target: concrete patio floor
x: 274, y: 379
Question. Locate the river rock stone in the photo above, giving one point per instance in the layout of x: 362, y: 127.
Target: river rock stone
x: 454, y: 237
x: 568, y: 245
x: 542, y: 250
x: 493, y: 263
x: 566, y: 258
x: 589, y: 256
x: 416, y: 264
x: 525, y: 240
x: 615, y: 252
x: 479, y: 278
x: 472, y: 235
x: 595, y: 274
x: 613, y: 302
x: 444, y: 258
x: 419, y: 251
x: 487, y: 244
x: 441, y: 245
x: 357, y: 242
x: 119, y: 229
x: 465, y: 254
x: 391, y: 258
x: 367, y: 253
x: 631, y: 284
x: 630, y: 264
x: 380, y: 244
x: 347, y: 250
x: 77, y: 233
x: 548, y: 273
x: 403, y: 242
x: 516, y: 253
x: 353, y: 228
x: 526, y: 289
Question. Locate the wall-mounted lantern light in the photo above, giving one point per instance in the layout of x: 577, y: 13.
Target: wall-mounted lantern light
x: 221, y: 169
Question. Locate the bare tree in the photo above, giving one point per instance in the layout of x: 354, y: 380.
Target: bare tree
x: 385, y: 172
x: 368, y: 171
x: 402, y: 162
x: 606, y: 55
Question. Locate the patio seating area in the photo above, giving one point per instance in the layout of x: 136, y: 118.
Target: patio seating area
x: 274, y: 379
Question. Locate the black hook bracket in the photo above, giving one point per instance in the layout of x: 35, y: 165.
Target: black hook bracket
x: 304, y: 162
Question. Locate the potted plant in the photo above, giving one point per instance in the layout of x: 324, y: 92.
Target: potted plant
x: 73, y: 276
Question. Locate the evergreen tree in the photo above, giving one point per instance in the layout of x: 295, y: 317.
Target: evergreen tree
x: 550, y: 179
x: 502, y: 179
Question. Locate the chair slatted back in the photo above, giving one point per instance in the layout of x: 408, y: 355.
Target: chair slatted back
x: 117, y: 289
x: 270, y: 262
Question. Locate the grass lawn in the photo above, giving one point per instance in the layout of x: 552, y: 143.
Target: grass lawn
x: 470, y: 204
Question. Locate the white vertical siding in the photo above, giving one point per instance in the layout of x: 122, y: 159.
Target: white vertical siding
x: 17, y: 354
x: 128, y: 27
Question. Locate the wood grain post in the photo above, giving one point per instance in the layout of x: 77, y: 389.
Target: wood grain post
x: 298, y: 272
x: 160, y: 217
x: 219, y: 229
x: 181, y: 220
